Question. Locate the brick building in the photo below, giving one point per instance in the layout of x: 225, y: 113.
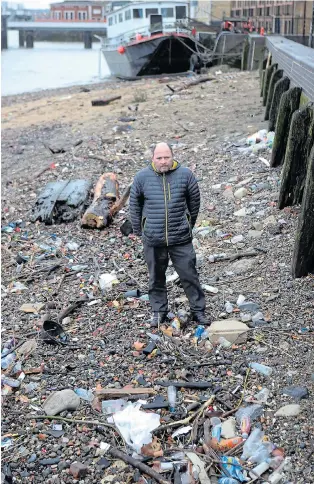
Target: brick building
x: 280, y: 17
x: 76, y: 10
x: 210, y: 11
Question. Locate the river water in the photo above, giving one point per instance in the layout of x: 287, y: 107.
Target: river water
x: 49, y: 65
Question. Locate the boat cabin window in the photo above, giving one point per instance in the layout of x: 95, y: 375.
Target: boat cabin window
x: 180, y: 13
x: 120, y: 17
x: 151, y: 11
x: 110, y: 20
x: 127, y: 15
x: 167, y: 12
x: 137, y: 13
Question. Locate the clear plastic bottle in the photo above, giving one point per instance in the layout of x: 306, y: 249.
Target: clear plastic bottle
x: 228, y: 307
x: 7, y: 360
x: 252, y: 443
x: 245, y: 426
x: 263, y: 369
x: 275, y: 462
x: 262, y: 453
x: 172, y: 398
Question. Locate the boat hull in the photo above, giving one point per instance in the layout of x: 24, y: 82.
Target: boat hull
x: 161, y: 55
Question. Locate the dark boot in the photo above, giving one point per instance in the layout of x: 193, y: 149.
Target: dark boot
x: 201, y: 319
x: 157, y: 319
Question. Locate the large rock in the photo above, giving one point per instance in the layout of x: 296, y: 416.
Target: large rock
x: 242, y: 266
x: 231, y: 329
x: 57, y: 402
x: 291, y: 410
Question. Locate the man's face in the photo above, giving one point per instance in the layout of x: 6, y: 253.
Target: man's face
x: 162, y: 158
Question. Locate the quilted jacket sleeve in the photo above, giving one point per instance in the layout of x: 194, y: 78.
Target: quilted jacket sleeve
x: 136, y: 206
x: 193, y: 198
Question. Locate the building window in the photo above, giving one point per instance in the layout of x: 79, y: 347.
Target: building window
x: 71, y: 15
x: 267, y: 11
x: 180, y: 13
x: 237, y: 13
x: 287, y: 10
x: 167, y: 12
x: 245, y: 12
x: 66, y: 15
x: 137, y: 13
x: 84, y: 15
x: 151, y: 11
x: 251, y: 12
x: 115, y: 19
x: 120, y: 17
x: 127, y: 15
x: 277, y: 10
x: 110, y: 21
x: 259, y: 12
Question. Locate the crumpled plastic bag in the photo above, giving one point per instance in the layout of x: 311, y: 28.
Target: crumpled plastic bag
x: 106, y: 280
x: 136, y: 426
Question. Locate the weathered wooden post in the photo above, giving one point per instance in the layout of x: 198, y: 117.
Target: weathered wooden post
x: 280, y: 87
x: 4, y: 32
x: 303, y: 256
x: 88, y: 41
x: 289, y: 103
x: 21, y: 38
x: 268, y: 73
x: 29, y: 39
x: 300, y: 142
x: 276, y: 75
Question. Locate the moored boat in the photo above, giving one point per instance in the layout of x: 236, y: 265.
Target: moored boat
x: 149, y: 38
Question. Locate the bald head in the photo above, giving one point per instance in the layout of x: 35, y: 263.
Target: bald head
x: 162, y: 157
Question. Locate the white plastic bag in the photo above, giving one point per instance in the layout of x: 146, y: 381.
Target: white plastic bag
x: 136, y: 426
x: 106, y: 280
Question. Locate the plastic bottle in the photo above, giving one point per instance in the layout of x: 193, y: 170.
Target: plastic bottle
x: 228, y: 307
x: 275, y: 462
x: 245, y: 426
x: 172, y: 398
x: 224, y: 343
x: 263, y: 369
x: 259, y: 469
x: 262, y: 453
x: 84, y: 394
x: 227, y: 480
x: 252, y: 443
x: 216, y: 428
x: 7, y: 360
x: 199, y: 331
x: 12, y: 382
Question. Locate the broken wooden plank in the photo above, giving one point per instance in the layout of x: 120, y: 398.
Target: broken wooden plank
x: 61, y: 201
x: 105, y: 102
x: 45, y: 203
x: 123, y: 392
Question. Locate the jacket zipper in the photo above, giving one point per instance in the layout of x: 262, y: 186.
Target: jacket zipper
x: 166, y: 207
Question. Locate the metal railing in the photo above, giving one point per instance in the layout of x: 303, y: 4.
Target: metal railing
x: 146, y: 31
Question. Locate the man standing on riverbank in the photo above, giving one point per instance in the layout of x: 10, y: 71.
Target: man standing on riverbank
x: 164, y: 205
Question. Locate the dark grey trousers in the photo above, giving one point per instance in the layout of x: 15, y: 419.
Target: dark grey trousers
x: 184, y: 261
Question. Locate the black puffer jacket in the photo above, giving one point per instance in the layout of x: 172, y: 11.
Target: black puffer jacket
x: 164, y: 207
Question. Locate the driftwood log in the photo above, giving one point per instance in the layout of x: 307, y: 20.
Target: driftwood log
x: 193, y: 82
x: 106, y: 202
x: 105, y: 102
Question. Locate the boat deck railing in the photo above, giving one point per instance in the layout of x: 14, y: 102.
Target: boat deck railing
x: 146, y: 31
